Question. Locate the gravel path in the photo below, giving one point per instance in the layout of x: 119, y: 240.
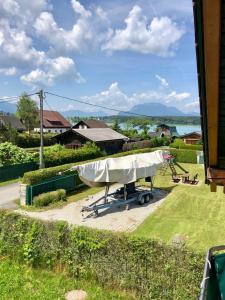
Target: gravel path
x: 8, y: 194
x: 116, y: 219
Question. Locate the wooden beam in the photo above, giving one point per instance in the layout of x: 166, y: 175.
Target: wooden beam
x: 212, y: 29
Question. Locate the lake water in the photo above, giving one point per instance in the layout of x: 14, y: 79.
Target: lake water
x: 181, y: 129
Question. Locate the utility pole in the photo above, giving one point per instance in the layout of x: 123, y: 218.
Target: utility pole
x: 41, y: 152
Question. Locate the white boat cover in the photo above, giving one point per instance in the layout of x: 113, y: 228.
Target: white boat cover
x: 120, y: 170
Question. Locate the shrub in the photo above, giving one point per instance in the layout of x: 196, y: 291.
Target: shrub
x: 184, y: 156
x: 159, y: 141
x: 45, y: 199
x: 25, y: 140
x: 179, y: 144
x: 151, y: 270
x: 61, y: 156
x: 11, y: 154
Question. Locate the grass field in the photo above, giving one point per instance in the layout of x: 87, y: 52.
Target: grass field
x: 18, y: 282
x: 192, y: 211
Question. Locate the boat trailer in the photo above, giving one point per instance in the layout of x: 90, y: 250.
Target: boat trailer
x: 124, y: 196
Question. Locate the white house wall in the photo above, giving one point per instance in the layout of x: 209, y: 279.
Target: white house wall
x: 51, y: 130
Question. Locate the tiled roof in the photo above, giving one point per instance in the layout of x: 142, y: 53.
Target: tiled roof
x: 100, y: 134
x: 13, y: 121
x: 53, y: 119
x: 92, y: 124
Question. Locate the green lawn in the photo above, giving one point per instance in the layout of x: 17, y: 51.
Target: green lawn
x: 192, y: 211
x: 18, y: 282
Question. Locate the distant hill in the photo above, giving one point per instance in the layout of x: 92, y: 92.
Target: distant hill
x: 157, y: 110
x: 80, y: 113
x: 7, y: 107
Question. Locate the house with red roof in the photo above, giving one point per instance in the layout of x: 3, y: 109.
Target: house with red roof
x: 54, y: 122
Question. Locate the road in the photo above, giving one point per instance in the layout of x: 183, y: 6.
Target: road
x: 8, y: 195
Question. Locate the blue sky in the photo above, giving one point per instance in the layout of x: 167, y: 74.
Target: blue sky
x: 113, y: 53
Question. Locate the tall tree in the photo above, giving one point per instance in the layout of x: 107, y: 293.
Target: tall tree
x: 27, y: 111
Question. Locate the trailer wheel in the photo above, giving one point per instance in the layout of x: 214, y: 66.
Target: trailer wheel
x: 141, y: 200
x: 147, y: 198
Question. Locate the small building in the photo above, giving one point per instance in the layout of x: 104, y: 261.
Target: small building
x: 54, y: 122
x: 105, y: 138
x: 12, y: 121
x: 85, y: 124
x: 167, y: 131
x: 191, y: 138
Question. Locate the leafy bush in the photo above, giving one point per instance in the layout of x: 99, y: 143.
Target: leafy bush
x: 11, y: 154
x: 179, y: 144
x: 61, y: 156
x: 184, y: 156
x: 45, y: 199
x: 24, y: 140
x: 159, y: 141
x: 151, y: 270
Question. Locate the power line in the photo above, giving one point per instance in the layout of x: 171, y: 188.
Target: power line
x: 96, y: 105
x: 12, y: 98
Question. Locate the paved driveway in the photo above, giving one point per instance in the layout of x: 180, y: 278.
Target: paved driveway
x: 8, y: 194
x: 117, y: 219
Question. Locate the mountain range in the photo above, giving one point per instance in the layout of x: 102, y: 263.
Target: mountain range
x: 149, y: 109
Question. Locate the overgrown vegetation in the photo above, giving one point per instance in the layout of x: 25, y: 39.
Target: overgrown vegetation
x: 11, y: 154
x: 20, y: 282
x: 150, y: 269
x: 45, y: 199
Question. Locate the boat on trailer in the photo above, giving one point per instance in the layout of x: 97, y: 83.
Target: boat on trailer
x: 126, y: 171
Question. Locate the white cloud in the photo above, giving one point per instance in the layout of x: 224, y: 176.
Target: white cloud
x: 17, y: 48
x: 79, y: 9
x: 53, y: 69
x: 162, y: 80
x: 114, y: 97
x: 9, y: 71
x: 111, y: 97
x: 88, y: 32
x: 22, y: 13
x: 193, y: 106
x: 158, y: 38
x: 174, y: 96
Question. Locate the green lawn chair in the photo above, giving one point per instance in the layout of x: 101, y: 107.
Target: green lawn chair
x: 213, y: 284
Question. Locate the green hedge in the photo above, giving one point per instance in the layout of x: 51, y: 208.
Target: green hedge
x: 179, y: 144
x: 65, y: 156
x: 45, y: 199
x: 33, y: 177
x: 184, y: 156
x: 148, y: 269
x: 24, y: 140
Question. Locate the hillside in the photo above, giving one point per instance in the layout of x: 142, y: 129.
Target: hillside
x: 156, y: 110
